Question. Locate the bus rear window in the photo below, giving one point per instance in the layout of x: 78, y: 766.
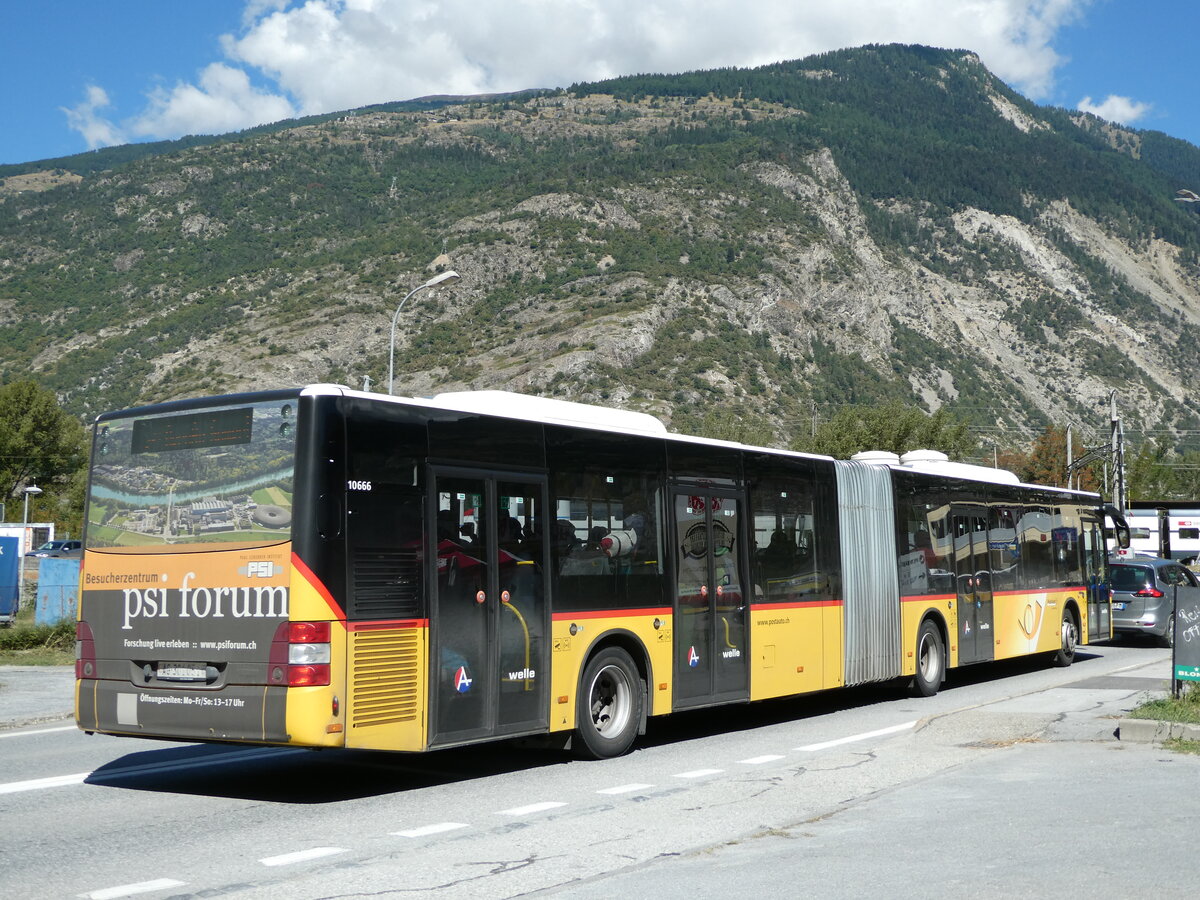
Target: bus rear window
x: 221, y: 475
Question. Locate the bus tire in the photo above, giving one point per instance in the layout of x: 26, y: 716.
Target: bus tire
x: 931, y: 660
x: 1069, y: 638
x: 609, y: 712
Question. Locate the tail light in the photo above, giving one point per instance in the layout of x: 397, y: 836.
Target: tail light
x: 85, y: 651
x: 308, y: 654
x: 1149, y: 592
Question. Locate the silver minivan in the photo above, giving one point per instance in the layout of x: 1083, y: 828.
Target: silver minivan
x: 1143, y: 594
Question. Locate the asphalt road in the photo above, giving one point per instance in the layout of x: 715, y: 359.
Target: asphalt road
x: 1011, y: 782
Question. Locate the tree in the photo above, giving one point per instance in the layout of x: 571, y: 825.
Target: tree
x: 40, y: 444
x: 1046, y: 462
x: 1147, y: 475
x: 894, y: 427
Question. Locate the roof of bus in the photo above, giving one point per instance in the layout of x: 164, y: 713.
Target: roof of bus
x: 548, y: 410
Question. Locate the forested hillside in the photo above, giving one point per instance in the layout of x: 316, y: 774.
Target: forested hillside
x: 736, y: 251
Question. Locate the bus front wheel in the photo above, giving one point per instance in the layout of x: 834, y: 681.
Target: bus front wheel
x: 610, y: 705
x: 1069, y: 633
x: 931, y: 660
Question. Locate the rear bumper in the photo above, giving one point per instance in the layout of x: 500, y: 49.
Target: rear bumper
x: 1149, y: 623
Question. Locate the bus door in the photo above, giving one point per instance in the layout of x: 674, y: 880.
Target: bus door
x: 1099, y: 606
x: 711, y: 656
x: 488, y: 652
x: 973, y: 580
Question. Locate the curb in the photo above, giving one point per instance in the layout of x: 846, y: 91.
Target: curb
x: 1156, y: 731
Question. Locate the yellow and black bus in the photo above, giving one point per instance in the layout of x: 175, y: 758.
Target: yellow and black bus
x: 323, y: 567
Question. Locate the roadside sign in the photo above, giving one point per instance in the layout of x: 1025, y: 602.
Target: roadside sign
x: 1186, y: 643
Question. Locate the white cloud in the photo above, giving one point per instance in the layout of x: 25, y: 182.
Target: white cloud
x: 223, y: 101
x: 84, y: 118
x: 324, y: 55
x: 1122, y: 110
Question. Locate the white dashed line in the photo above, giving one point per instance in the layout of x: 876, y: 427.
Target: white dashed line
x: 759, y: 760
x: 699, y: 773
x: 907, y: 726
x: 532, y: 808
x: 301, y: 856
x: 426, y: 830
x: 128, y: 890
x: 625, y: 789
x: 13, y: 734
x: 14, y: 787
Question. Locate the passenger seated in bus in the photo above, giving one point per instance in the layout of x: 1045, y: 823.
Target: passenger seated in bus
x: 778, y: 558
x: 564, y: 537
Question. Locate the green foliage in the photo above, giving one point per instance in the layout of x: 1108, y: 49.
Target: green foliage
x: 892, y: 427
x: 41, y: 445
x: 1184, y: 708
x: 38, y: 637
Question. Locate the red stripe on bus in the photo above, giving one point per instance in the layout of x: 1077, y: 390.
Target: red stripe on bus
x: 610, y: 613
x: 382, y: 626
x: 927, y: 598
x: 315, y: 583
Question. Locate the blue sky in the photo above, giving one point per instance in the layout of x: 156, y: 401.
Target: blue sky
x: 80, y: 74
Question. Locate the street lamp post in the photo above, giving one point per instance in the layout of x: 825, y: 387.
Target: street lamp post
x: 30, y: 490
x: 446, y: 278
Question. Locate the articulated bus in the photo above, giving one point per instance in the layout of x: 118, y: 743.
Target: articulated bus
x: 323, y: 567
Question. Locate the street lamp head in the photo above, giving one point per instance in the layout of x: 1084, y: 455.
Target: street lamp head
x: 446, y: 278
x: 33, y: 489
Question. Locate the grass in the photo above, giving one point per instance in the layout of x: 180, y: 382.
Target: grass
x: 25, y: 643
x: 1180, y: 745
x: 1184, y: 708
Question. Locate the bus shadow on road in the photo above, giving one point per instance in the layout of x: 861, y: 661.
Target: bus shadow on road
x: 297, y: 776
x: 701, y: 723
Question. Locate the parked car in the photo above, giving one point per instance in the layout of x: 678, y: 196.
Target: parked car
x: 57, y: 548
x: 1143, y: 593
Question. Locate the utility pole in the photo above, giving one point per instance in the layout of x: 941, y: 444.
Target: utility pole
x: 1118, y: 449
x: 1070, y: 458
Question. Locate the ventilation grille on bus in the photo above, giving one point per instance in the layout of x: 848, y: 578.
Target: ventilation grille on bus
x: 387, y: 584
x: 385, y: 677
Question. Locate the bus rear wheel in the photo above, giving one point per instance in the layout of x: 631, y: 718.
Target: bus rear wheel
x: 931, y: 660
x: 609, y: 712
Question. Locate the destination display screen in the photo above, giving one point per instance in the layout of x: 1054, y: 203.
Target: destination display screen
x: 215, y: 428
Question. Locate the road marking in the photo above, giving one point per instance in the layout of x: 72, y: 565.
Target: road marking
x: 625, y: 789
x: 288, y: 859
x: 426, y: 830
x: 699, y: 773
x: 128, y: 890
x: 825, y: 745
x: 37, y: 784
x: 12, y: 734
x: 759, y: 760
x: 532, y: 808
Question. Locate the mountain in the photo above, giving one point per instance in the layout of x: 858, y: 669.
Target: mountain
x: 738, y: 251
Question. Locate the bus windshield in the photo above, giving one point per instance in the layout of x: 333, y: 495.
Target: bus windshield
x: 219, y: 475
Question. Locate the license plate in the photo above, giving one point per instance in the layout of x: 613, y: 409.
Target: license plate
x: 177, y: 672
x: 1118, y: 606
